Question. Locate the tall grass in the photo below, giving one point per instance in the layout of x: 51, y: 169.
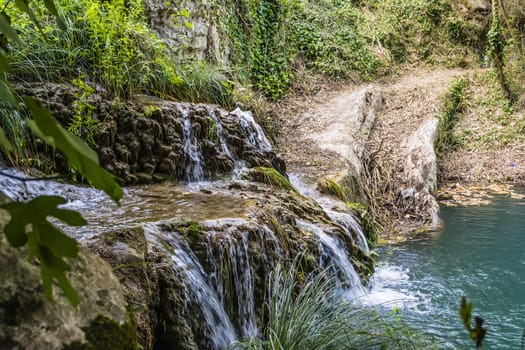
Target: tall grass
x: 110, y: 44
x: 310, y: 315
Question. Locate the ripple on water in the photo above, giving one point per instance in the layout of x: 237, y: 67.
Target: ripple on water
x: 480, y: 255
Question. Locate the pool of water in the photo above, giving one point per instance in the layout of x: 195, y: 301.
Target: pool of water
x: 479, y: 254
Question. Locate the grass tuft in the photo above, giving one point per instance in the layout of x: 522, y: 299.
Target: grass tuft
x: 310, y: 315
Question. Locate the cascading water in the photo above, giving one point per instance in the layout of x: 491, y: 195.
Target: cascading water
x: 193, y: 167
x: 198, y: 292
x: 220, y: 136
x: 347, y: 221
x: 252, y: 130
x: 239, y: 164
x: 232, y: 263
x: 194, y: 161
x: 351, y: 228
x: 219, y: 291
x: 335, y: 257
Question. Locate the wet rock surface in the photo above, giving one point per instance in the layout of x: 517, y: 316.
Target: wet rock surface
x: 193, y: 283
x: 151, y: 140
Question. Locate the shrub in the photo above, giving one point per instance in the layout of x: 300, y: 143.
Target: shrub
x: 111, y: 46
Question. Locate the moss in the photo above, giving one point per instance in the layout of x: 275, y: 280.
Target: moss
x: 369, y: 226
x: 335, y: 189
x: 104, y: 333
x: 193, y: 230
x: 270, y: 176
x: 132, y: 236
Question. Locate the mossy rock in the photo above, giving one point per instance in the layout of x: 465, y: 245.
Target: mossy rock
x: 269, y: 176
x: 104, y: 333
x: 332, y: 187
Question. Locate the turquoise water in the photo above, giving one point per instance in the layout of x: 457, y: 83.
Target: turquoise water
x: 480, y: 254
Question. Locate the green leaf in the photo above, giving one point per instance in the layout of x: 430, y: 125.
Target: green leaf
x: 7, y: 95
x: 7, y: 30
x: 29, y: 224
x: 16, y: 235
x: 4, y: 141
x: 57, y: 268
x: 61, y: 23
x: 22, y: 5
x: 465, y: 313
x: 184, y: 13
x: 50, y: 4
x: 36, y: 22
x: 4, y: 64
x: 78, y: 154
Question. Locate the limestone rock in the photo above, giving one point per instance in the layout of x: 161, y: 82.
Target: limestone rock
x: 346, y: 125
x: 29, y: 321
x: 420, y: 171
x: 143, y: 141
x: 201, y: 40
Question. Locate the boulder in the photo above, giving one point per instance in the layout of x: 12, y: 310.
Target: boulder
x: 29, y: 321
x: 420, y: 172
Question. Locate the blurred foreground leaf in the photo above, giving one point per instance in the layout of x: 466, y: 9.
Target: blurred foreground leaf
x: 47, y: 243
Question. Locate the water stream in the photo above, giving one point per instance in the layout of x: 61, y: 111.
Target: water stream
x: 219, y: 288
x: 478, y: 254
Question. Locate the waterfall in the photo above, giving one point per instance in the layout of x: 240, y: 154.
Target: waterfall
x: 225, y: 290
x: 232, y: 262
x: 220, y: 135
x: 253, y: 131
x: 193, y: 159
x: 351, y: 228
x: 197, y: 291
x: 334, y: 256
x: 238, y: 164
x: 347, y: 221
x: 193, y: 167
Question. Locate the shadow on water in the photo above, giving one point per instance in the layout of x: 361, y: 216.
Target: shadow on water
x: 480, y: 254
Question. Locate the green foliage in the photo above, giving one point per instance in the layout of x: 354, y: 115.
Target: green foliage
x: 307, y: 314
x: 326, y: 33
x: 79, y: 155
x: 109, y: 44
x: 477, y: 333
x: 368, y: 224
x: 4, y: 141
x: 495, y: 50
x: 417, y: 30
x: 28, y: 223
x: 452, y: 107
x: 258, y: 33
x: 202, y: 82
x: 48, y: 244
x: 82, y: 123
x: 332, y: 187
x: 270, y: 176
x: 341, y: 39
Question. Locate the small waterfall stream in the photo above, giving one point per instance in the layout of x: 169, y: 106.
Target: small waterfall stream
x: 334, y: 257
x: 198, y: 292
x: 220, y: 136
x: 252, y: 130
x: 193, y: 171
x: 194, y: 168
x: 232, y: 270
x: 348, y: 223
x: 219, y: 283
